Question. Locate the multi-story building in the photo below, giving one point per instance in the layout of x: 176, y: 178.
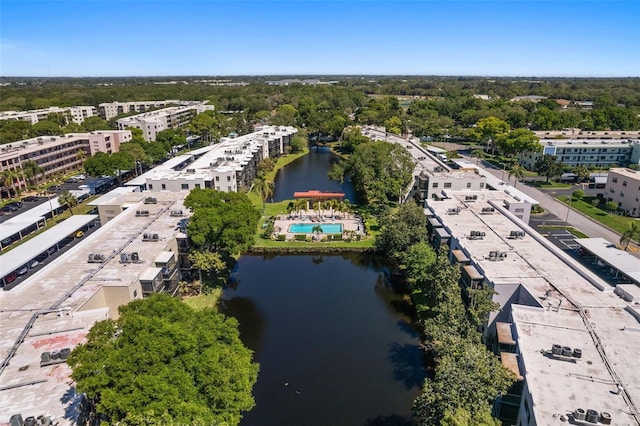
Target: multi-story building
x: 76, y: 114
x: 137, y: 253
x: 228, y: 166
x: 59, y: 154
x: 603, y: 153
x: 110, y: 110
x: 151, y: 123
x: 568, y: 337
x: 623, y: 187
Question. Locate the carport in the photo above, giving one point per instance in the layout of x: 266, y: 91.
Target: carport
x: 40, y: 245
x: 621, y: 262
x: 29, y: 221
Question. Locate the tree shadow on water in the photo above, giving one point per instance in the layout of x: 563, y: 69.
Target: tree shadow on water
x: 408, y: 364
x: 390, y: 420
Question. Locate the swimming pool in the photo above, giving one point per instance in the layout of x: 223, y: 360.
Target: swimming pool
x: 307, y: 228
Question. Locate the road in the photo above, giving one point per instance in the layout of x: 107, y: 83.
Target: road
x: 558, y: 209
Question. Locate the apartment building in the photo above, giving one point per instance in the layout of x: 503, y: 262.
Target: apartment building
x: 76, y: 114
x: 151, y: 123
x: 603, y: 153
x: 137, y: 253
x: 623, y: 187
x: 569, y: 338
x: 228, y: 166
x: 109, y: 110
x: 59, y: 154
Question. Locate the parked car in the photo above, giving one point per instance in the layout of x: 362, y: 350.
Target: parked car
x: 33, y: 264
x: 11, y: 277
x: 51, y: 250
x: 16, y: 204
x: 31, y: 199
x: 23, y: 270
x: 78, y: 234
x: 9, y: 208
x: 6, y: 242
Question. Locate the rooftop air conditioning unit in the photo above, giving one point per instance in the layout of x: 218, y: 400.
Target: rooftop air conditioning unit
x: 142, y: 213
x: 151, y: 200
x: 95, y: 258
x: 176, y: 213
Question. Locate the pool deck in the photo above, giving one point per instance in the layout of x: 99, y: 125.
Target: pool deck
x: 349, y: 221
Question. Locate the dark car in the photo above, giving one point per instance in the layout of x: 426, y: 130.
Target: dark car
x: 14, y: 204
x: 8, y: 209
x: 6, y: 242
x: 31, y: 199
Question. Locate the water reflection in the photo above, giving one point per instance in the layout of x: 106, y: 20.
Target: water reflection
x: 332, y: 348
x: 310, y: 172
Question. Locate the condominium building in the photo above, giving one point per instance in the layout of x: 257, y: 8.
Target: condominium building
x: 623, y: 187
x: 59, y: 154
x: 139, y: 252
x: 151, y: 123
x: 228, y: 166
x: 109, y: 110
x: 587, y: 152
x: 569, y: 338
x: 76, y: 114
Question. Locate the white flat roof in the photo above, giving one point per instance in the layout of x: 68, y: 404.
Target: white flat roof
x: 13, y: 259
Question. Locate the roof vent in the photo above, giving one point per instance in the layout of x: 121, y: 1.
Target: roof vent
x: 453, y: 211
x: 470, y: 197
x: 487, y: 210
x: 95, y: 258
x: 476, y: 235
x: 151, y: 200
x: 142, y: 213
x: 514, y: 235
x: 176, y: 213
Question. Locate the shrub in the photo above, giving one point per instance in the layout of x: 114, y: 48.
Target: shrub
x: 282, y: 237
x: 336, y: 237
x: 595, y: 202
x: 300, y: 237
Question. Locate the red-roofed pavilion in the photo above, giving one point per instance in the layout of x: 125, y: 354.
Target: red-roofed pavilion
x: 318, y: 195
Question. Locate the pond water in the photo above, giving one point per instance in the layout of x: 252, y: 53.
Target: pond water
x: 334, y: 341
x: 308, y: 173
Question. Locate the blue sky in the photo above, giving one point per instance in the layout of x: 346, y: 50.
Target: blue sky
x: 161, y: 38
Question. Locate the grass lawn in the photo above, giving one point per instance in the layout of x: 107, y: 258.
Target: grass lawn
x: 203, y: 301
x: 616, y: 222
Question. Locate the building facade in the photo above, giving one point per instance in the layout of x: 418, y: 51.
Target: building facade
x: 586, y: 152
x: 151, y: 123
x: 59, y: 154
x: 110, y: 110
x: 76, y: 114
x: 623, y: 187
x: 228, y: 166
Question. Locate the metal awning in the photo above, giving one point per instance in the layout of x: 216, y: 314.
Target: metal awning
x: 460, y: 256
x: 505, y: 337
x: 19, y: 256
x: 472, y: 272
x: 510, y: 362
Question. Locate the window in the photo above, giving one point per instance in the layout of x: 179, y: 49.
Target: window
x: 164, y: 186
x: 229, y: 188
x: 228, y: 178
x: 435, y: 185
x: 624, y: 183
x: 150, y: 186
x: 622, y: 194
x: 185, y: 186
x: 447, y: 184
x: 217, y: 178
x: 614, y: 180
x: 468, y: 184
x: 197, y: 185
x: 135, y: 293
x: 481, y: 185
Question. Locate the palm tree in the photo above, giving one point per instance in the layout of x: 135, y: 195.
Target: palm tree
x: 68, y: 199
x: 9, y: 179
x: 518, y: 172
x: 302, y: 204
x: 317, y: 230
x: 265, y: 188
x: 633, y: 233
x: 478, y: 153
x: 31, y: 170
x: 317, y: 206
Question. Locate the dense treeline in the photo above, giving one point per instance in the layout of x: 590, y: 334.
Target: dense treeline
x: 427, y: 106
x: 467, y: 377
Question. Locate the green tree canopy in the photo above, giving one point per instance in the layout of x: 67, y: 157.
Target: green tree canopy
x: 402, y: 230
x: 548, y: 166
x: 222, y: 222
x: 162, y: 360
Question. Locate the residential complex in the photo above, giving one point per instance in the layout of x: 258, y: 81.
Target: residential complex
x: 167, y: 118
x: 569, y: 337
x: 139, y: 252
x: 59, y: 154
x: 603, y: 153
x: 76, y: 114
x: 109, y: 110
x: 230, y: 165
x: 623, y: 187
